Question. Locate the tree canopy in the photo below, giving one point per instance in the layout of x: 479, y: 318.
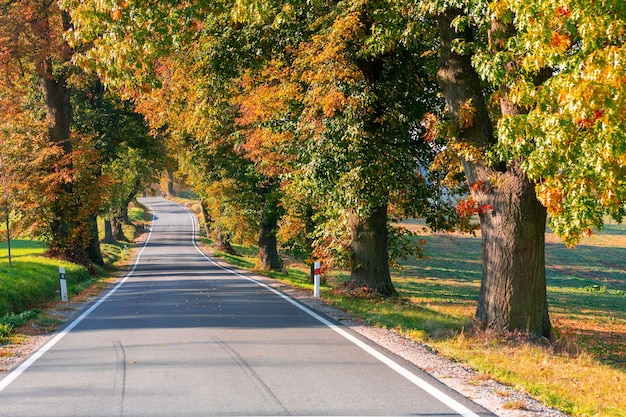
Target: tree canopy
x: 57, y: 132
x: 321, y: 123
x: 313, y: 98
x: 574, y: 132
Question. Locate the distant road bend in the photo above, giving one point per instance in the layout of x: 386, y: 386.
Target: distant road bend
x: 183, y: 336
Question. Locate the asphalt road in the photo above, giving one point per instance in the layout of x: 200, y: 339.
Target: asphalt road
x: 183, y: 336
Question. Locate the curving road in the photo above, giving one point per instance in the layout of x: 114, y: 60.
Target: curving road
x: 183, y: 336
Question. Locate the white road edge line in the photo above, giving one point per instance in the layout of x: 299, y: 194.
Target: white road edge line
x: 416, y: 380
x: 39, y: 353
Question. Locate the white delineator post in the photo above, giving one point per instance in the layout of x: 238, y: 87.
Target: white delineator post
x: 316, y: 279
x: 63, y: 285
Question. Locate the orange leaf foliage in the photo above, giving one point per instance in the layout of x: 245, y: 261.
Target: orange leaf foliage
x: 466, y: 114
x: 562, y: 11
x: 116, y: 14
x: 333, y: 102
x: 560, y: 41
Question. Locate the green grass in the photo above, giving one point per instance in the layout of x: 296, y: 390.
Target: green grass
x: 246, y: 259
x: 33, y: 280
x: 14, y: 320
x: 114, y: 253
x: 136, y: 214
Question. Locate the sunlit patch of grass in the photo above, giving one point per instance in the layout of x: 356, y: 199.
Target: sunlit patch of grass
x: 401, y: 315
x: 118, y: 253
x: 247, y: 258
x: 578, y: 385
x: 137, y: 214
x: 514, y: 405
x: 33, y: 279
x: 239, y: 260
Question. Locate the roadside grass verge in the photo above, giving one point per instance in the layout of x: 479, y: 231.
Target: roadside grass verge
x: 119, y: 252
x: 582, y: 371
x: 32, y: 283
x: 33, y: 280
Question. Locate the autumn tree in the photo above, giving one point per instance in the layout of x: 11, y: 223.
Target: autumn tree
x: 349, y: 130
x: 316, y: 113
x: 187, y: 92
x: 243, y: 205
x: 31, y: 35
x: 366, y: 88
x: 22, y: 145
x: 527, y: 87
x: 130, y: 155
x: 235, y: 189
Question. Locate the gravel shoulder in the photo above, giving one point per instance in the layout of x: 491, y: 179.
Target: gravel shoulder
x: 496, y: 397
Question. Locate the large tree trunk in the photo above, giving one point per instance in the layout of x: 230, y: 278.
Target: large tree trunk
x: 117, y: 222
x: 65, y: 242
x: 108, y: 230
x: 513, y: 289
x: 268, y: 248
x: 222, y: 242
x: 370, y: 253
x: 122, y: 211
x: 268, y: 243
x: 171, y: 191
x: 58, y: 109
x: 93, y: 249
x: 119, y: 215
x: 205, y: 218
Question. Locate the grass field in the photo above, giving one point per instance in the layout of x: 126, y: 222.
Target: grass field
x: 33, y: 280
x: 586, y: 286
x: 581, y: 372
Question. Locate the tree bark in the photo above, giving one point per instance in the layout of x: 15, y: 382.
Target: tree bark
x: 222, y: 242
x: 122, y: 210
x: 268, y: 248
x: 369, y: 246
x: 65, y: 242
x: 117, y: 222
x: 370, y: 253
x: 58, y: 109
x: 205, y: 218
x: 108, y: 231
x: 268, y: 243
x: 513, y: 289
x: 93, y: 248
x: 119, y: 214
x: 171, y: 191
x: 62, y: 224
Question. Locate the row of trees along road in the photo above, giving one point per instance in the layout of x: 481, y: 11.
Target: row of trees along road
x: 317, y: 119
x: 68, y: 146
